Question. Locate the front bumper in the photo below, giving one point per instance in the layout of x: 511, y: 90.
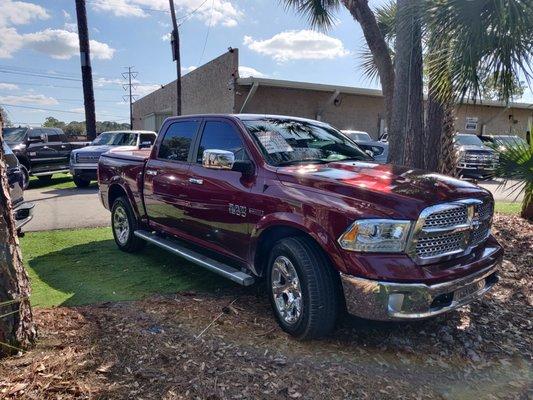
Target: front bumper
x: 378, y: 300
x: 85, y: 171
x: 23, y: 213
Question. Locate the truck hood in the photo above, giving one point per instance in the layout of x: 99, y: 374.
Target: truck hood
x: 101, y: 149
x: 385, y: 189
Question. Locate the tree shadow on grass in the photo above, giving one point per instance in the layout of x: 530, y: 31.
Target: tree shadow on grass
x: 98, y: 272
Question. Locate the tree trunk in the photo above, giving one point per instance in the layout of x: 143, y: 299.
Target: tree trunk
x: 527, y: 205
x: 362, y: 13
x: 406, y: 131
x: 16, y: 321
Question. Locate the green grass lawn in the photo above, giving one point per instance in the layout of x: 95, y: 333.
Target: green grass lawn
x: 59, y: 181
x: 507, y: 207
x: 75, y: 267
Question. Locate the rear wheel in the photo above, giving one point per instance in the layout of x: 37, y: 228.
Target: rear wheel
x: 124, y: 223
x: 81, y: 182
x: 304, y: 288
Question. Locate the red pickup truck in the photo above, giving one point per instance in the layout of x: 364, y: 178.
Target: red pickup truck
x: 296, y: 202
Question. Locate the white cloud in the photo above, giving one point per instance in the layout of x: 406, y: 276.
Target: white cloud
x: 66, y: 15
x: 71, y: 27
x: 186, y: 70
x: 29, y: 99
x: 166, y: 37
x: 80, y: 110
x: 245, y: 72
x: 20, y: 12
x: 142, y: 90
x: 215, y: 12
x: 298, y: 45
x: 56, y: 43
x: 8, y: 86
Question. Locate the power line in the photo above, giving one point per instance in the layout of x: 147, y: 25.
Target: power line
x: 56, y: 110
x: 188, y: 16
x: 134, y: 5
x: 58, y: 86
x: 208, y: 31
x: 63, y: 78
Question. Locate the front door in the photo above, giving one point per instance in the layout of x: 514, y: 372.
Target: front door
x: 166, y: 178
x: 218, y: 199
x: 42, y: 156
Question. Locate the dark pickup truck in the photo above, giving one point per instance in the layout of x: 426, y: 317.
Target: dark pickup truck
x: 41, y: 152
x: 297, y: 203
x: 22, y: 211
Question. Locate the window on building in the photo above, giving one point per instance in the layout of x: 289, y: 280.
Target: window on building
x: 177, y: 141
x: 220, y: 135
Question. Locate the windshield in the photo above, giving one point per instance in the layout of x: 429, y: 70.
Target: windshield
x: 7, y: 149
x: 466, y: 140
x: 510, y: 140
x: 14, y: 135
x: 116, y: 139
x: 358, y: 136
x: 288, y: 142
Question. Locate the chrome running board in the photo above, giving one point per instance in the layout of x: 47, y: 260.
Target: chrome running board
x: 217, y: 267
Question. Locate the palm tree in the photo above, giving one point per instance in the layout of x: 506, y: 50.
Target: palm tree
x: 516, y: 163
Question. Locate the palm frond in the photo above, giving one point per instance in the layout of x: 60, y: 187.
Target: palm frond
x: 516, y: 164
x: 319, y: 13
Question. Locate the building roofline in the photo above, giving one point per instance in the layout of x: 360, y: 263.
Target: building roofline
x: 354, y: 90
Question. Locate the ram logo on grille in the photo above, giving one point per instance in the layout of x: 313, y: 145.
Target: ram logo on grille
x: 450, y: 230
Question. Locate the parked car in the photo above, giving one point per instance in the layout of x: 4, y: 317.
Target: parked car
x: 295, y: 202
x: 84, y: 162
x: 377, y: 149
x: 22, y: 211
x: 41, y: 152
x: 476, y: 161
x: 501, y: 142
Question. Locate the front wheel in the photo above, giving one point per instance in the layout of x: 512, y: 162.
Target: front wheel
x: 304, y: 288
x: 25, y: 177
x: 124, y: 223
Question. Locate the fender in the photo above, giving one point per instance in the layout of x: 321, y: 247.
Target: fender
x: 119, y: 181
x: 301, y: 223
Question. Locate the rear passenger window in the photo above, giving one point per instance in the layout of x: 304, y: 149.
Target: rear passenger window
x: 221, y: 136
x: 53, y: 135
x: 177, y: 141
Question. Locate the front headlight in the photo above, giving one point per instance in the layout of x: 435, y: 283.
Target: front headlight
x: 376, y: 236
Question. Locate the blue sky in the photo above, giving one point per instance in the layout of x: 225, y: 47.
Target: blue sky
x: 40, y: 38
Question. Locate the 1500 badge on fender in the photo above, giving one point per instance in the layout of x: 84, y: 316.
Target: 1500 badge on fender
x: 237, y: 210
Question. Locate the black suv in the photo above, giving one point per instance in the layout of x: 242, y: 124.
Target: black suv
x: 40, y: 151
x: 15, y: 178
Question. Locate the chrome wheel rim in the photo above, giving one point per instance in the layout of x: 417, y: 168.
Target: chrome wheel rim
x: 286, y: 290
x: 121, y: 225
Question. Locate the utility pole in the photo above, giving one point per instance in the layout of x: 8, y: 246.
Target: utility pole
x: 129, y: 87
x: 175, y: 41
x: 86, y: 70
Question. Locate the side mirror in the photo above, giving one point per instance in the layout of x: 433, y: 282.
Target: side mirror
x: 218, y: 159
x: 370, y: 153
x: 36, y: 139
x: 145, y: 145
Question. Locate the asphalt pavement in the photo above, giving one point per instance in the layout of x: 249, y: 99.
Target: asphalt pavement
x: 66, y: 208
x: 81, y: 208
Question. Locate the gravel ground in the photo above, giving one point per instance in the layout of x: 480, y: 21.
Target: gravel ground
x: 170, y: 348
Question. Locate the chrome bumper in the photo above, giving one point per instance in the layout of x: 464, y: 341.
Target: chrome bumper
x: 385, y: 301
x: 23, y: 213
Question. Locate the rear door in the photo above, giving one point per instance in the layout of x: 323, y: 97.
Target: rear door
x: 41, y: 156
x: 57, y: 140
x: 166, y: 177
x: 219, y: 199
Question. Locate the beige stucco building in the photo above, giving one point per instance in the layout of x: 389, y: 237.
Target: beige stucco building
x: 216, y: 87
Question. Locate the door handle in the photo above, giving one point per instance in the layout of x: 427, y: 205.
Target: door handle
x: 63, y: 146
x: 151, y: 172
x: 45, y: 147
x: 196, y: 181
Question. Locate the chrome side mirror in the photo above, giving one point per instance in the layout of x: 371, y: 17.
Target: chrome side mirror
x: 218, y: 159
x: 145, y: 145
x: 370, y: 153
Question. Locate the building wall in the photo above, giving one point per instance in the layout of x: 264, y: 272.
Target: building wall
x: 496, y: 120
x: 207, y: 89
x: 352, y: 112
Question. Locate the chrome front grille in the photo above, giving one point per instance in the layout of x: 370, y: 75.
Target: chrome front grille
x: 89, y: 158
x: 449, y: 230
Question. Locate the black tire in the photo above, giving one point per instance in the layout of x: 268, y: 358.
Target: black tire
x: 319, y: 284
x: 80, y: 182
x: 128, y: 242
x: 25, y: 177
x: 45, y: 178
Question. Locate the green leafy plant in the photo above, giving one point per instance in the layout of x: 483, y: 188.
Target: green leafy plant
x: 516, y: 165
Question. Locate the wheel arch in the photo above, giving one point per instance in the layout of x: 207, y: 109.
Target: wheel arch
x: 274, y: 232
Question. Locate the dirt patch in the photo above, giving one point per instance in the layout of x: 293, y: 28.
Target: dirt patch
x: 155, y: 349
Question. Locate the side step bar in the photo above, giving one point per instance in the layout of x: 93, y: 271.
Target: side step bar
x: 59, y: 171
x: 217, y: 267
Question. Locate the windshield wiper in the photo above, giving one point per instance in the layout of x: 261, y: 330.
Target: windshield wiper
x: 297, y: 162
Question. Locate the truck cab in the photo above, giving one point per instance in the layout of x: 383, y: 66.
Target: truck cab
x: 296, y: 203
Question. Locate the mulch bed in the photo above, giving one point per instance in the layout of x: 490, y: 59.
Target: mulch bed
x: 159, y: 348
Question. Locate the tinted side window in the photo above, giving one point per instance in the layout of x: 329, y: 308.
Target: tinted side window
x: 53, y: 135
x: 147, y: 138
x: 219, y: 135
x: 35, y: 133
x: 177, y: 141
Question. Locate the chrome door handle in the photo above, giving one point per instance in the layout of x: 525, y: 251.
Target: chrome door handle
x: 196, y: 181
x: 151, y: 172
x: 45, y: 147
x: 63, y: 146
